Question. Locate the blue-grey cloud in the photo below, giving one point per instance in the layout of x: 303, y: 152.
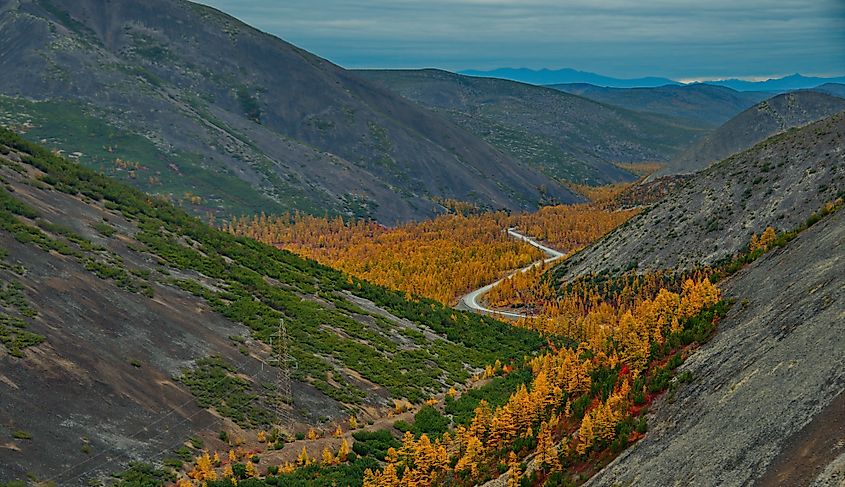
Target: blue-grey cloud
x: 673, y: 38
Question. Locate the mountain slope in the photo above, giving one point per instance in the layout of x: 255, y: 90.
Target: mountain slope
x: 566, y: 75
x: 133, y: 326
x: 765, y: 403
x: 699, y: 103
x: 765, y: 119
x: 779, y: 182
x: 255, y: 122
x: 568, y: 136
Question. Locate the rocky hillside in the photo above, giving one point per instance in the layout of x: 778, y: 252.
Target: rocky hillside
x: 765, y: 403
x: 765, y: 119
x: 765, y: 400
x: 182, y: 100
x: 700, y: 104
x: 128, y: 327
x: 567, y: 136
x: 779, y: 182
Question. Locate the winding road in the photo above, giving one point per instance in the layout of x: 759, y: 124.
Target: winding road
x: 470, y: 301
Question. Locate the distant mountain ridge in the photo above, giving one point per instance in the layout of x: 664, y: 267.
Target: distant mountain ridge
x: 787, y: 83
x: 700, y: 103
x: 568, y: 76
x: 567, y: 136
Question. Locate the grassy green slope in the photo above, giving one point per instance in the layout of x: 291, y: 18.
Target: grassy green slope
x: 71, y: 127
x: 256, y: 285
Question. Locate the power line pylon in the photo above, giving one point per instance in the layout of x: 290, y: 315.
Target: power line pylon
x: 284, y: 401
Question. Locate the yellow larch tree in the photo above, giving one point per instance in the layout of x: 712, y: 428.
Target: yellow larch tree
x: 547, y: 454
x: 480, y: 424
x: 585, y: 435
x: 514, y: 471
x: 303, y: 459
x: 343, y: 451
x: 470, y: 459
x: 328, y: 457
x: 203, y: 468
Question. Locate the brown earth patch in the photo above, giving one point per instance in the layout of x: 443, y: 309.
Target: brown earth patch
x: 811, y: 449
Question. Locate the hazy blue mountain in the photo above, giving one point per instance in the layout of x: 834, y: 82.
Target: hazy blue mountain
x: 787, y: 83
x: 567, y: 75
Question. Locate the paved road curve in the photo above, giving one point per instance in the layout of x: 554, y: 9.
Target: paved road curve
x: 470, y: 301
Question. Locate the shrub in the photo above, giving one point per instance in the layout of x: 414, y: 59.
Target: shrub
x: 374, y: 443
x: 429, y: 421
x: 104, y: 229
x: 22, y: 435
x: 143, y: 475
x: 239, y: 469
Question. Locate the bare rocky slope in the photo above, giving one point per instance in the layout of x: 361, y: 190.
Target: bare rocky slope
x: 127, y: 326
x: 567, y: 136
x: 765, y: 406
x: 765, y: 403
x: 754, y: 125
x: 196, y: 103
x: 704, y: 104
x: 779, y: 182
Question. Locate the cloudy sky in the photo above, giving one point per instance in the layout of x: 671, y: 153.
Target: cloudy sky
x: 680, y: 39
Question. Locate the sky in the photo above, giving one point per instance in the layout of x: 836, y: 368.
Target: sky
x: 679, y: 39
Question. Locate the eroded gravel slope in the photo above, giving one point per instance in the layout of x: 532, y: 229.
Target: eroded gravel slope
x: 779, y: 182
x: 777, y: 361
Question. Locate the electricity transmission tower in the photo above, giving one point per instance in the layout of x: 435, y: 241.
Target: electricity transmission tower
x: 284, y: 401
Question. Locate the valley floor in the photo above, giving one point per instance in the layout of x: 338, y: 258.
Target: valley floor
x: 470, y: 301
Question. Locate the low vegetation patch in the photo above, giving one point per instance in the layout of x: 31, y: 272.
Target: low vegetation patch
x: 216, y: 385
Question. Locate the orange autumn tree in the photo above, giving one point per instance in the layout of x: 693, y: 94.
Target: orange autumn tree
x: 203, y: 468
x: 613, y: 338
x: 440, y: 259
x: 763, y: 241
x: 568, y: 415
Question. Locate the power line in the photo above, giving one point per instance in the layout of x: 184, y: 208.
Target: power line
x: 144, y: 429
x: 137, y: 433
